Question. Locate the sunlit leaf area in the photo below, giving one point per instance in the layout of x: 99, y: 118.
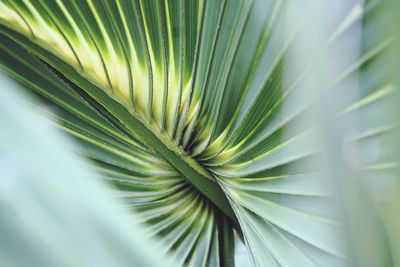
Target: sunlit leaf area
x: 199, y: 133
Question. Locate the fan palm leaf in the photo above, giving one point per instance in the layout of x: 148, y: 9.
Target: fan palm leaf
x: 182, y: 106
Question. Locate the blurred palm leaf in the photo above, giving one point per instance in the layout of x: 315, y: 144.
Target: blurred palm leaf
x: 53, y: 210
x: 181, y: 105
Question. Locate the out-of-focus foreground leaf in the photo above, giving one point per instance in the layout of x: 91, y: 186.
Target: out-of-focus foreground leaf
x: 53, y: 212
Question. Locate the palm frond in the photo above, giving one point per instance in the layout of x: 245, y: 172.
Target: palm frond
x: 183, y: 106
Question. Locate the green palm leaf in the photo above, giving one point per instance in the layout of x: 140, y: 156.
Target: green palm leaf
x: 182, y: 105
